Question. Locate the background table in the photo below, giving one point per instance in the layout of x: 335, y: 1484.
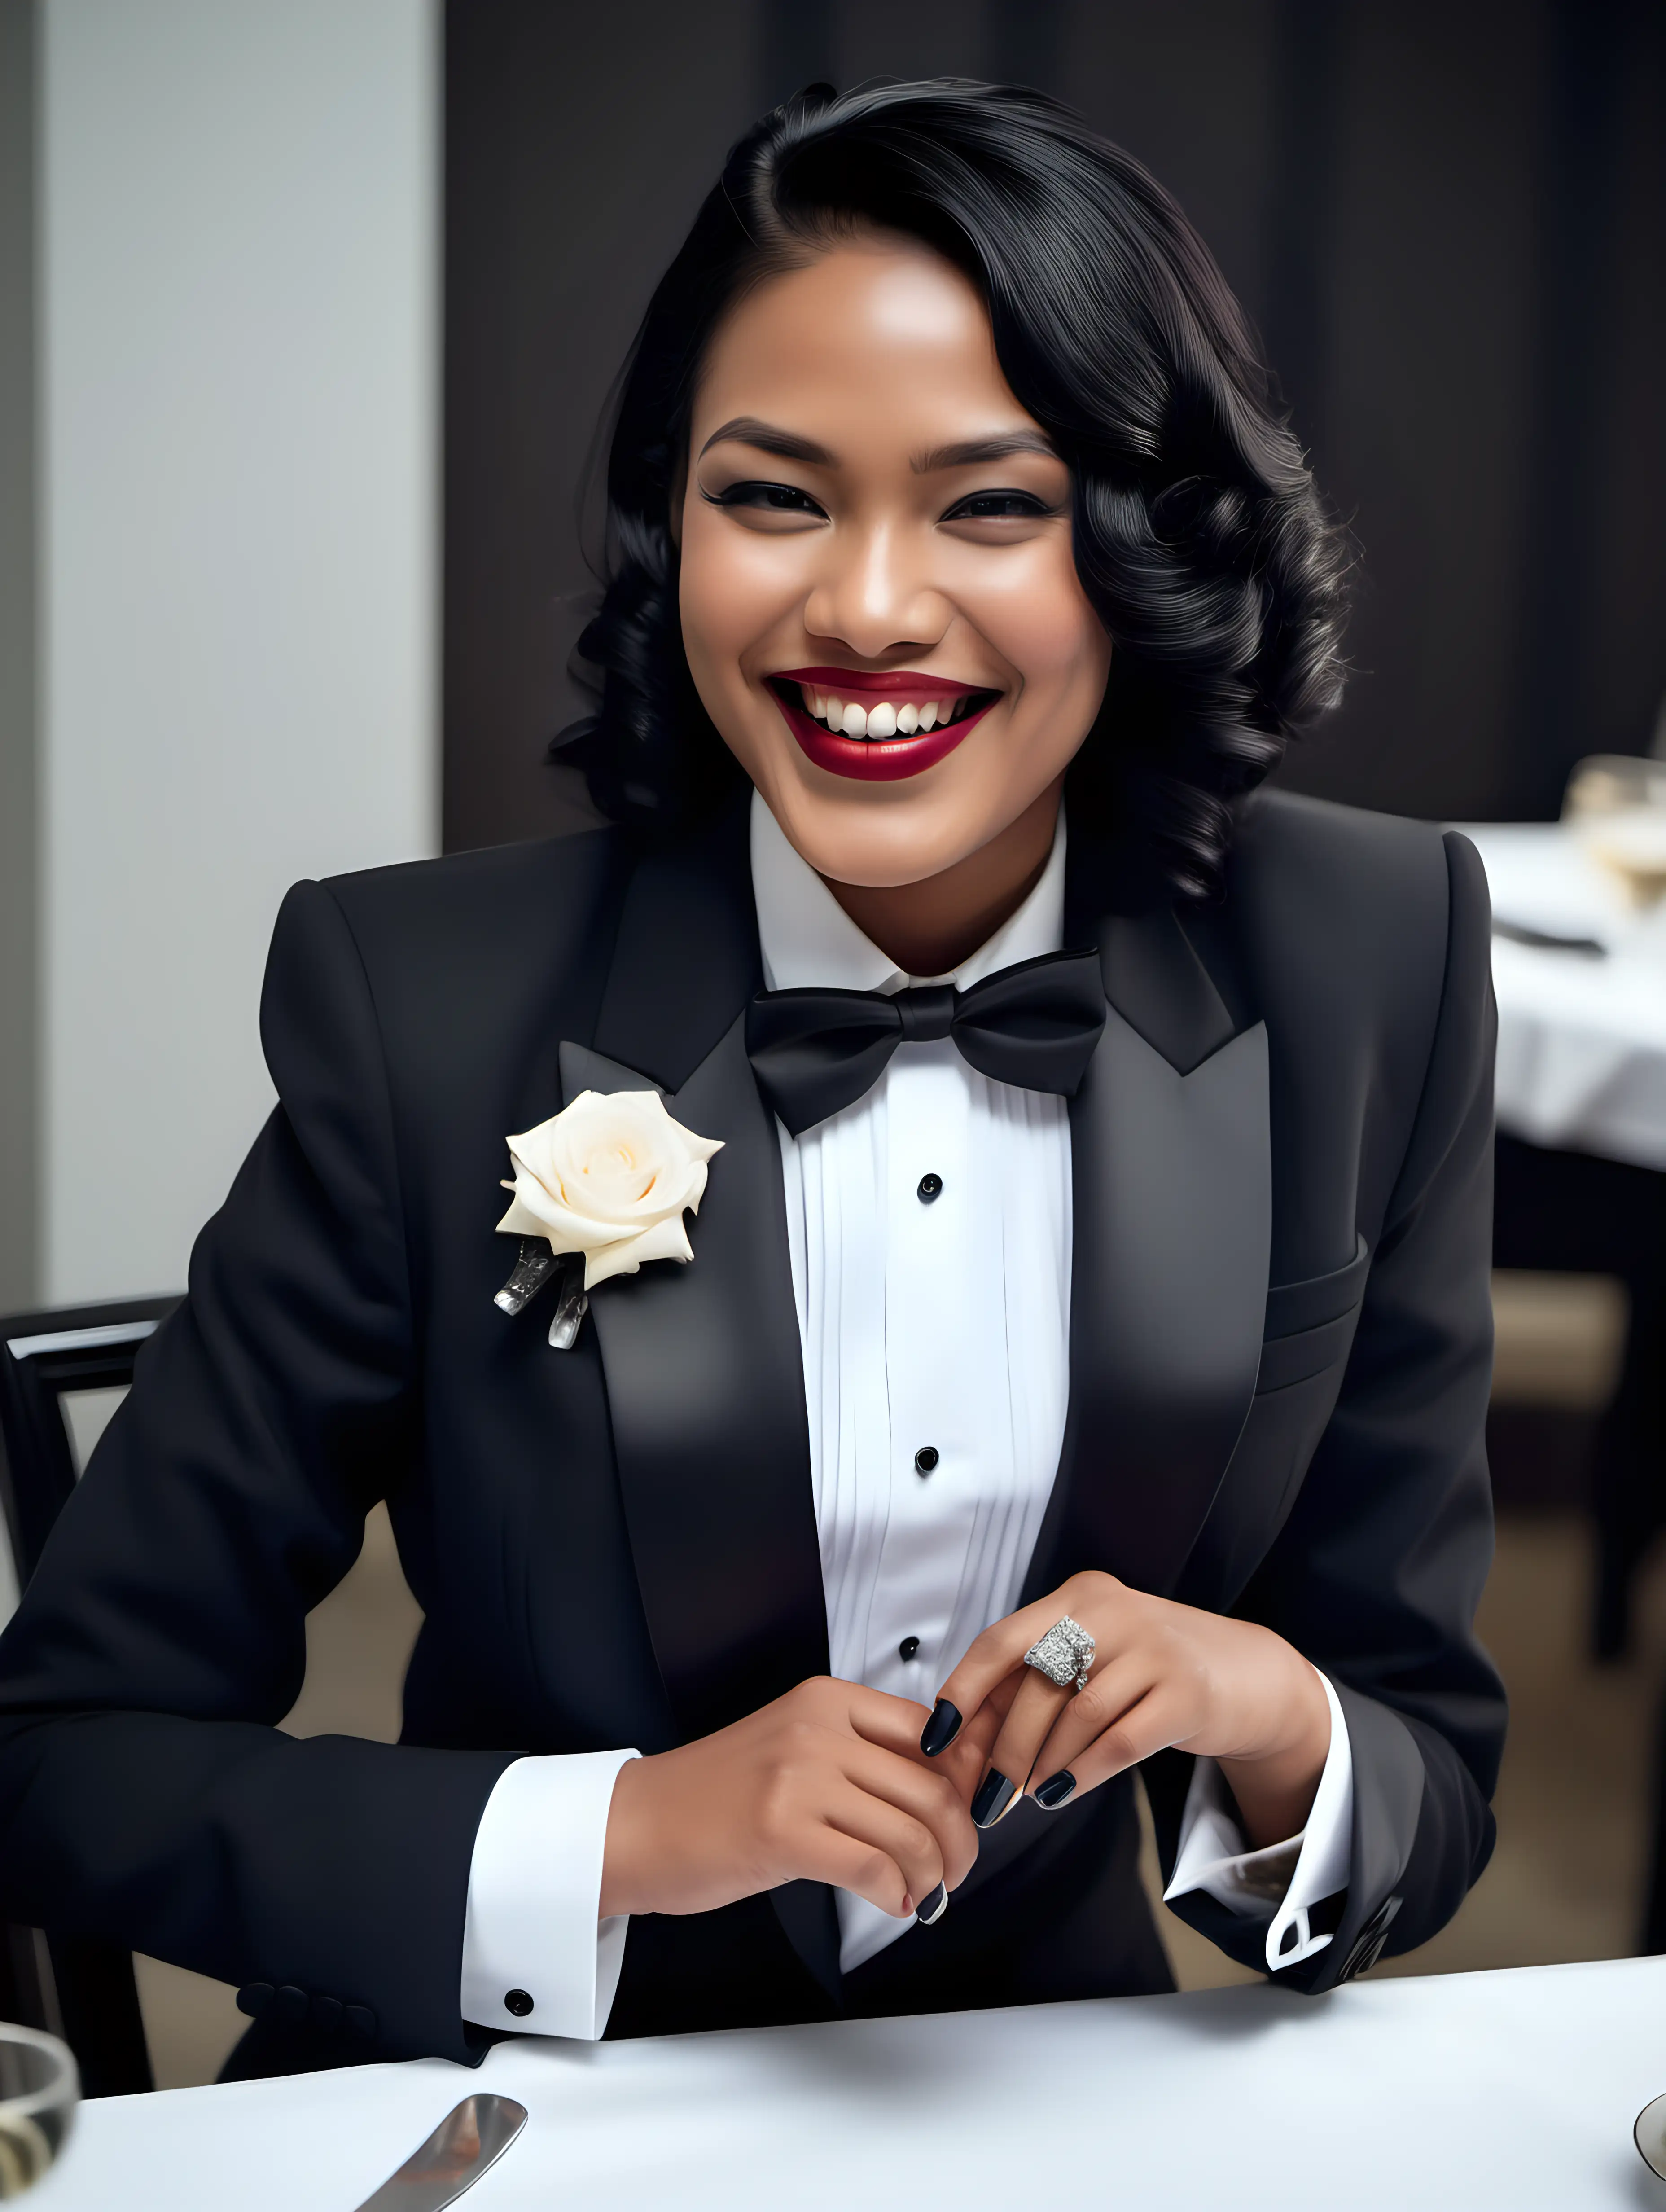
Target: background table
x: 1511, y: 2090
x: 1582, y: 1041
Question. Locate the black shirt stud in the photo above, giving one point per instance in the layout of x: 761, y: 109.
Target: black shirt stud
x: 908, y: 1647
x: 517, y: 2003
x: 925, y: 1458
x: 929, y: 1187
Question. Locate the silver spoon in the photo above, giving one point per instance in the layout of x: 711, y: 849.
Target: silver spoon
x: 472, y: 2136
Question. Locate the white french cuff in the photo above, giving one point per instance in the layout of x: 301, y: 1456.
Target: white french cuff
x: 535, y: 1881
x: 1286, y: 1880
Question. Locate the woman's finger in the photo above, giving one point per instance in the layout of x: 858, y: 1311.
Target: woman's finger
x: 893, y: 1725
x: 919, y: 1794
x: 1001, y: 1648
x: 1150, y: 1724
x: 989, y: 1659
x: 966, y: 1761
x: 875, y: 1715
x: 896, y: 1840
x: 1111, y: 1693
x: 1034, y: 1708
x: 866, y: 1869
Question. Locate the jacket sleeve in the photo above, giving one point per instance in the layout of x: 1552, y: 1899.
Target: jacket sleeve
x: 1377, y: 1573
x: 146, y: 1794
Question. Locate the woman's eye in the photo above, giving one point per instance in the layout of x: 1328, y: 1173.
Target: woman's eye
x: 999, y: 506
x: 771, y: 498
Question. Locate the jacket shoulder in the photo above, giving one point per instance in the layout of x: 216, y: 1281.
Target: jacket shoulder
x: 505, y: 895
x: 464, y: 959
x: 1344, y: 854
x: 1313, y: 887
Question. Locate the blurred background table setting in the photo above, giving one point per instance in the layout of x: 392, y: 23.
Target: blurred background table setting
x: 40, y: 2092
x: 1579, y: 964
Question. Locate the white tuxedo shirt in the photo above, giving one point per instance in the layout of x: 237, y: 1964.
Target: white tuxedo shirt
x: 935, y: 1332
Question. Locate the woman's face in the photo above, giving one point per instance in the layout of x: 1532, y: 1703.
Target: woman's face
x: 878, y: 601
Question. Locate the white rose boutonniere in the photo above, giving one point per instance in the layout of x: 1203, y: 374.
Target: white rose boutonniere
x: 610, y: 1178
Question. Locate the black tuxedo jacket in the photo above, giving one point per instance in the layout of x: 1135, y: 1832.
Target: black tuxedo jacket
x: 1279, y: 1355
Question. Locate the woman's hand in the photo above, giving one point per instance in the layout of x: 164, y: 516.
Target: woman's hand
x: 828, y: 1784
x: 1163, y: 1675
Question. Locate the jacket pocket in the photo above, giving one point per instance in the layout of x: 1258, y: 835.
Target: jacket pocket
x: 1309, y: 1325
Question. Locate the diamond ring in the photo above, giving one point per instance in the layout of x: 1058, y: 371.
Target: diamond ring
x: 1063, y: 1654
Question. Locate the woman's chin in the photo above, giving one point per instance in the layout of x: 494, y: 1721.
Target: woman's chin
x: 861, y: 831
x: 862, y: 835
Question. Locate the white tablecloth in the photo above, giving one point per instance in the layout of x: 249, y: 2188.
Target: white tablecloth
x: 1511, y: 2090
x: 1582, y: 1041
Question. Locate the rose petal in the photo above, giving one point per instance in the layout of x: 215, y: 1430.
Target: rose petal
x: 619, y: 1160
x: 667, y: 1240
x: 567, y: 1231
x: 610, y: 1177
x: 521, y: 1220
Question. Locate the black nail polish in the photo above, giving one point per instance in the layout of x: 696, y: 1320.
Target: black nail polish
x: 941, y: 1730
x: 994, y: 1794
x: 1058, y: 1789
x: 932, y: 1909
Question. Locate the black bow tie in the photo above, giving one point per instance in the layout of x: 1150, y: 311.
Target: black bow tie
x: 1035, y: 1024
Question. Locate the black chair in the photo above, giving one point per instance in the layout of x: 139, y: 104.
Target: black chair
x: 76, y: 1986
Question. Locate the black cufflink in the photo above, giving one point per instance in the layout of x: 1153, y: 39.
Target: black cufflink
x: 517, y: 2003
x: 1370, y: 1940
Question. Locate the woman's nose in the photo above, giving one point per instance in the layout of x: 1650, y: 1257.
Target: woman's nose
x: 873, y: 592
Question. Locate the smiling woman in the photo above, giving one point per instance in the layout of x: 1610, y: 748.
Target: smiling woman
x: 898, y: 595
x: 1078, y: 1363
x: 1016, y: 382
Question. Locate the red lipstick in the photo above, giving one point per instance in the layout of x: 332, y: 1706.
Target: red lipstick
x: 874, y: 760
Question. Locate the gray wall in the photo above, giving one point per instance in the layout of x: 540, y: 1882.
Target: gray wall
x: 19, y: 961
x: 238, y: 560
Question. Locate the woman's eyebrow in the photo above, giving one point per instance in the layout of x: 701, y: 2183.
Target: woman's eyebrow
x: 971, y: 451
x: 749, y: 430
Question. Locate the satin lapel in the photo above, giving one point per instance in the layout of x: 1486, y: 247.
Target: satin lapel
x: 705, y: 1387
x: 1171, y: 1170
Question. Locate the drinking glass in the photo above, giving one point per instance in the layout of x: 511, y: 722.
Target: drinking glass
x: 1615, y: 806
x: 38, y: 2090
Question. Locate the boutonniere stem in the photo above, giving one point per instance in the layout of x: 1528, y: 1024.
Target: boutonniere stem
x: 533, y: 1268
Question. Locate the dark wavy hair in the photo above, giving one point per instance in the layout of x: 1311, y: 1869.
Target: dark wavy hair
x: 1198, y: 534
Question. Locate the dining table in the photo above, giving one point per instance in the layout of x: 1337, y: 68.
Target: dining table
x: 1579, y: 973
x: 1512, y: 2089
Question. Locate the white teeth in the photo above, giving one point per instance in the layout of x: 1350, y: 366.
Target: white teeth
x: 884, y: 718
